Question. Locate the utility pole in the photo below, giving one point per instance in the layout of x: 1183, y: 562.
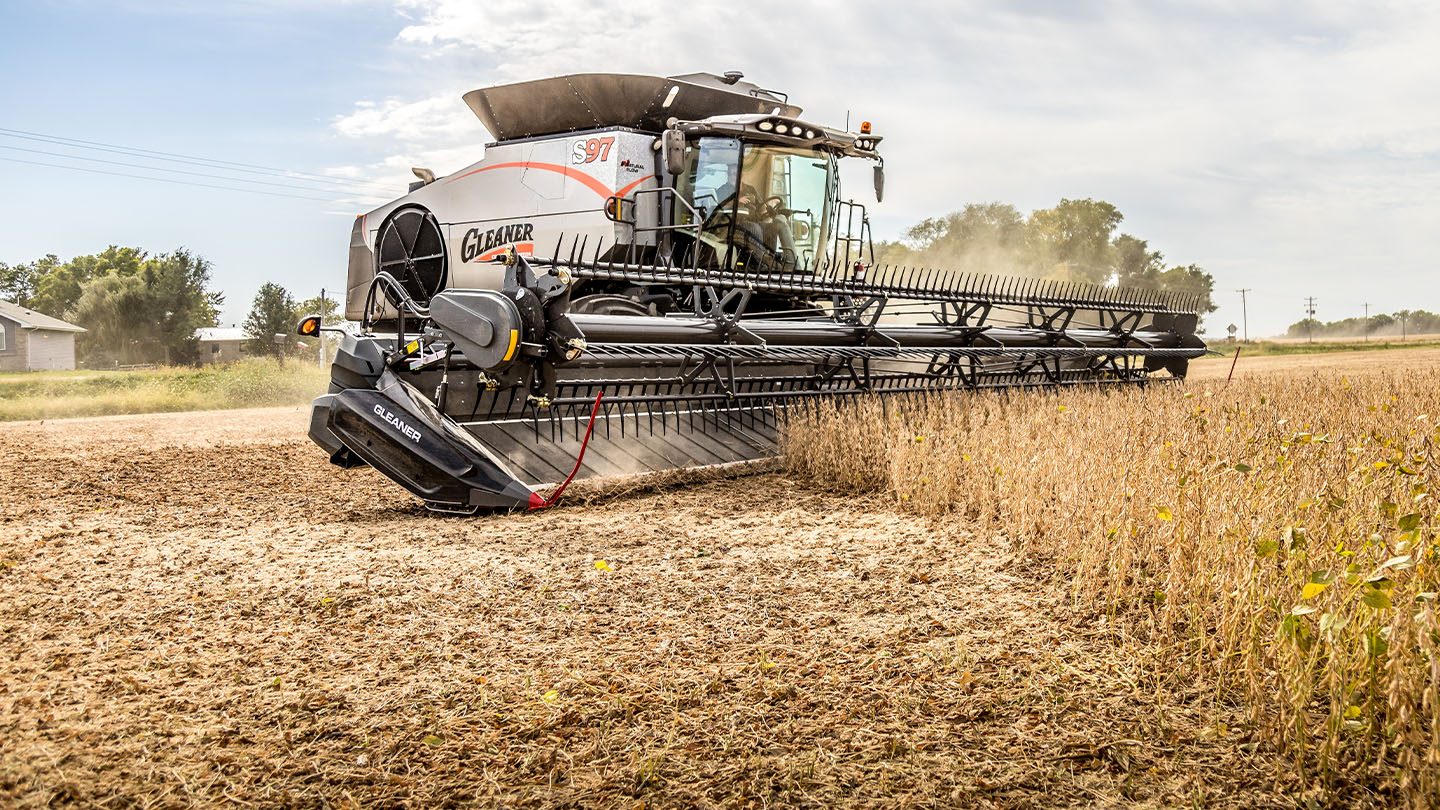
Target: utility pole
x: 1244, y: 315
x: 320, y: 336
x: 1365, y: 329
x: 1310, y: 316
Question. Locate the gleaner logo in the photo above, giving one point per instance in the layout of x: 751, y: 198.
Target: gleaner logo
x: 405, y: 430
x: 482, y: 245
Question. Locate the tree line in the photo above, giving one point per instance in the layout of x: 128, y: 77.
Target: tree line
x: 135, y: 307
x: 1397, y: 324
x: 142, y: 308
x: 1073, y: 241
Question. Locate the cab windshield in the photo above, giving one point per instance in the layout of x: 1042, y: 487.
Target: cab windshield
x: 757, y: 206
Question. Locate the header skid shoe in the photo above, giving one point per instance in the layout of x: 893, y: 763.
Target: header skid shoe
x: 396, y: 430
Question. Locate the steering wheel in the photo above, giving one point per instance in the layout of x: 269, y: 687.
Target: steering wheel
x: 721, y: 208
x: 775, y: 204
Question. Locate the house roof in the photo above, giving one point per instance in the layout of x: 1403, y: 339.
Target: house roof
x: 30, y: 319
x: 215, y: 333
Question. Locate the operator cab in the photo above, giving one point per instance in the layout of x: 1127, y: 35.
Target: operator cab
x: 755, y: 206
x: 761, y: 193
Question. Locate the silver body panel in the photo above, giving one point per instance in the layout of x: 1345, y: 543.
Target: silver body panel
x: 526, y: 193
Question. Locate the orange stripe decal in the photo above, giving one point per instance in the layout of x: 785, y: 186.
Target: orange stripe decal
x: 589, y: 182
x: 626, y: 190
x: 523, y: 248
x: 583, y: 178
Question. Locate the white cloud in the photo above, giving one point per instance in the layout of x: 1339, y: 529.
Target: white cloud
x: 1278, y: 143
x: 438, y: 118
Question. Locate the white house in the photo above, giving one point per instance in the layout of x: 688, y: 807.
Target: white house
x: 30, y: 341
x: 221, y: 344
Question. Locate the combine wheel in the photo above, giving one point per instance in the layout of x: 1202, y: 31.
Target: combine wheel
x: 602, y: 304
x: 411, y: 247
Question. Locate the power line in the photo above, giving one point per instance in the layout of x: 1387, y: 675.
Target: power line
x: 1310, y: 317
x: 162, y: 169
x: 165, y: 180
x: 135, y: 151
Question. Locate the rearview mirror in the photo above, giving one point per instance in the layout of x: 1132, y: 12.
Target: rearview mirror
x: 879, y: 182
x: 309, y: 325
x: 672, y: 143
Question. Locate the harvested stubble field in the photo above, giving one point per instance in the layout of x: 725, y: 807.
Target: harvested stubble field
x: 196, y: 610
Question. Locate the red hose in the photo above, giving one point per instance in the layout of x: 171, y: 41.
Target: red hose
x: 537, y: 502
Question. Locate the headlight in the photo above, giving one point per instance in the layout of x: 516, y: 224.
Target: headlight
x: 766, y: 126
x: 781, y: 128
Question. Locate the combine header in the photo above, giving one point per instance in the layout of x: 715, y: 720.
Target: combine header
x: 649, y: 273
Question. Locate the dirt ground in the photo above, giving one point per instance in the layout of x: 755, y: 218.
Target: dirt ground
x: 197, y: 610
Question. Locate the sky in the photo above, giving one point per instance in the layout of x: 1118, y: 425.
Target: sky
x: 1292, y: 149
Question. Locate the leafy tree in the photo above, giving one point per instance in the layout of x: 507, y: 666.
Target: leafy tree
x: 272, y: 313
x: 327, y: 308
x: 1136, y: 265
x: 57, y: 288
x: 983, y: 237
x: 1424, y: 323
x: 1192, y: 280
x: 115, y: 311
x: 1405, y: 317
x: 1073, y: 239
x: 179, y: 301
x: 17, y: 284
x: 976, y: 224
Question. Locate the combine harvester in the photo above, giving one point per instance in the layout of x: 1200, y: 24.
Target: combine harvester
x: 648, y: 273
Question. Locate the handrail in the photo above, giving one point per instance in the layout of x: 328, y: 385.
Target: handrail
x: 618, y: 214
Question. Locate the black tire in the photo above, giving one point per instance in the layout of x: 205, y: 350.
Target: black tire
x: 411, y: 247
x: 603, y: 304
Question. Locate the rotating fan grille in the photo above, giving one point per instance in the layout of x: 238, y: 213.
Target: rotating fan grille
x: 411, y: 248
